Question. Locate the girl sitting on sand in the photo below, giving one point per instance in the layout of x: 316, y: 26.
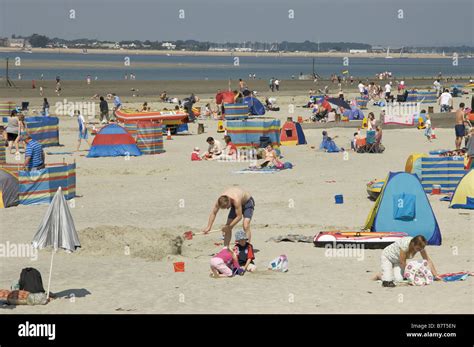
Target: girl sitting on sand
x: 224, y: 263
x: 271, y: 158
x: 394, y: 259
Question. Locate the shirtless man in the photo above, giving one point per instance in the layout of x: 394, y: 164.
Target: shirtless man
x: 241, y: 205
x: 459, y: 127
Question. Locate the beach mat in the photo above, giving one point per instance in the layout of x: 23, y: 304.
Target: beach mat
x: 264, y: 170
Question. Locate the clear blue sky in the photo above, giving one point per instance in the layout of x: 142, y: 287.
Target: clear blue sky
x: 425, y: 22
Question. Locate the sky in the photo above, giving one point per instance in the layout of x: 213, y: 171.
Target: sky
x: 376, y: 22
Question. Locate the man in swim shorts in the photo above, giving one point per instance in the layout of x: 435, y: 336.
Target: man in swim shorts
x: 241, y: 205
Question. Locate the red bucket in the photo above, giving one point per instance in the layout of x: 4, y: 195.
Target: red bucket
x: 188, y: 235
x: 178, y: 266
x: 436, y: 189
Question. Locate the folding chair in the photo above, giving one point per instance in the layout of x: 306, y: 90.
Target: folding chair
x: 371, y: 141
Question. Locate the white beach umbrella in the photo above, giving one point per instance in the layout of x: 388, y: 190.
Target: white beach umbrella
x: 57, y: 230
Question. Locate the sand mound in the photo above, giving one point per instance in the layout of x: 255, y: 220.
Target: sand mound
x: 149, y: 244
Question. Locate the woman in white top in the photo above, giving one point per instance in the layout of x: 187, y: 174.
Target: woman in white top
x: 394, y: 259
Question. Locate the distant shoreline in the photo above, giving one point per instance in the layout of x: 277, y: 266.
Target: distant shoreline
x: 226, y: 54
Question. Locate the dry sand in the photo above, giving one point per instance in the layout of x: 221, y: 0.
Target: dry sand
x: 129, y: 214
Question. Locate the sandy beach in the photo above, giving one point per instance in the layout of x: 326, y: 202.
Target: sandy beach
x: 129, y: 213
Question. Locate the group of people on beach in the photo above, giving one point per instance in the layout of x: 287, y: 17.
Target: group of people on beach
x: 16, y: 134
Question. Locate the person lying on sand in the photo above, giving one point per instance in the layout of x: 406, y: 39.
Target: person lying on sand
x: 394, y: 259
x: 241, y: 205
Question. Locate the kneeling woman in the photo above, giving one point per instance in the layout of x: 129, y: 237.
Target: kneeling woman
x: 394, y: 259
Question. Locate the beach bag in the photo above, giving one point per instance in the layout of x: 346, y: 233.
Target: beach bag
x: 280, y: 165
x: 30, y: 280
x: 288, y: 165
x: 18, y: 297
x: 404, y: 206
x: 37, y: 299
x: 418, y: 273
x: 279, y: 264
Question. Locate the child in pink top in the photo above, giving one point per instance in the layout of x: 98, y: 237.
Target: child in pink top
x: 223, y: 263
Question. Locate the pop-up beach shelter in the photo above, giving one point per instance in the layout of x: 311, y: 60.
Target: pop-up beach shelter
x: 256, y: 108
x: 113, y: 141
x: 292, y: 134
x: 8, y: 189
x: 403, y: 206
x: 464, y: 194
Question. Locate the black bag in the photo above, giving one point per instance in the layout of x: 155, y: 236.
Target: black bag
x: 30, y: 280
x: 265, y: 141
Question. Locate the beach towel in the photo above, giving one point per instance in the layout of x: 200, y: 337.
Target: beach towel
x: 59, y: 153
x: 292, y: 238
x: 439, y: 151
x: 446, y: 198
x: 265, y: 170
x: 418, y: 273
x: 279, y: 264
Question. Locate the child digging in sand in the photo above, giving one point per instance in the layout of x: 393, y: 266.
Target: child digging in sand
x: 224, y: 263
x: 394, y: 259
x: 244, y: 251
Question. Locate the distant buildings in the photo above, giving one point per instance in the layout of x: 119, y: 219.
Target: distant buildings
x: 16, y: 43
x: 356, y: 51
x: 168, y: 45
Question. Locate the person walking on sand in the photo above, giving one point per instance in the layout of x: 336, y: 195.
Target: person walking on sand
x: 277, y: 85
x: 445, y: 101
x: 459, y: 127
x: 104, y: 110
x: 83, y: 134
x: 241, y: 205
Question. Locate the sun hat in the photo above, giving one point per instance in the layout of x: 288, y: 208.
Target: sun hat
x: 240, y: 235
x: 196, y: 149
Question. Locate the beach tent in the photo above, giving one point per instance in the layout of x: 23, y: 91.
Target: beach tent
x: 353, y: 113
x: 403, y: 206
x: 464, y: 194
x: 413, y: 164
x: 236, y: 111
x: 292, y: 134
x: 249, y: 133
x: 8, y: 189
x: 443, y: 171
x: 113, y: 141
x: 256, y: 108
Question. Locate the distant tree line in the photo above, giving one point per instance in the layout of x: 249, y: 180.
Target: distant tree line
x: 37, y: 40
